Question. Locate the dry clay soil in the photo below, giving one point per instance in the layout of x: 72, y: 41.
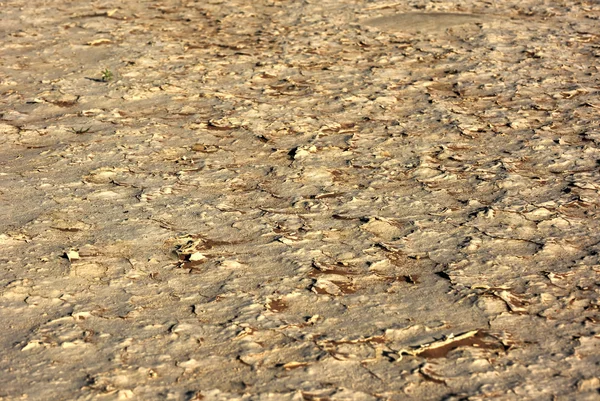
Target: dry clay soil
x: 299, y: 200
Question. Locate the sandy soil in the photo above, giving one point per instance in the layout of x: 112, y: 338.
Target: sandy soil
x: 299, y: 200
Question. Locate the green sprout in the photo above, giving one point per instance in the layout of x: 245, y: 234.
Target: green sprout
x: 107, y: 75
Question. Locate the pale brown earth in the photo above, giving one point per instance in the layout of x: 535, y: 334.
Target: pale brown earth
x: 300, y: 200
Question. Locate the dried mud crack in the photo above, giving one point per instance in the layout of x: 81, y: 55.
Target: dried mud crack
x: 299, y: 200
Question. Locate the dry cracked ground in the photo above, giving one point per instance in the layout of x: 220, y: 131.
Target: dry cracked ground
x: 299, y: 200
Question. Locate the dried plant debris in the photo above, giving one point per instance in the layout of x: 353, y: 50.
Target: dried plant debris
x: 318, y: 200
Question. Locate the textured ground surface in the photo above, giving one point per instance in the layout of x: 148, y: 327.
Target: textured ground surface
x: 299, y: 200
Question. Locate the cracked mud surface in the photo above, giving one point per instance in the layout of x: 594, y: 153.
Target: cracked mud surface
x: 299, y: 200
